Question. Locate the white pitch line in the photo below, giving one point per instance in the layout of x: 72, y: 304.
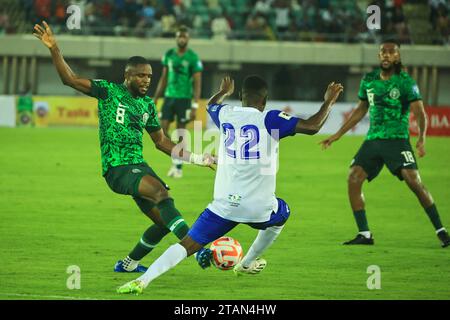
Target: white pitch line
x: 44, y: 296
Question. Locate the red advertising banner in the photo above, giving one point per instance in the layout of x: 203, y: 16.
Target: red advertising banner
x: 438, y: 122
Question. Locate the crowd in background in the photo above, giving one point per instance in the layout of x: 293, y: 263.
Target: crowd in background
x: 309, y: 20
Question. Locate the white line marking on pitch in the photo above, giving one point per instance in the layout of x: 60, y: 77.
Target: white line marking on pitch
x: 44, y: 296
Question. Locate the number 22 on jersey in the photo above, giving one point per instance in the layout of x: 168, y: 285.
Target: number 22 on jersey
x: 249, y: 134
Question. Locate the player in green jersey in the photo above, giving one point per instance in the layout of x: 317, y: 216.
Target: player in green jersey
x: 388, y: 93
x: 124, y: 112
x: 182, y: 70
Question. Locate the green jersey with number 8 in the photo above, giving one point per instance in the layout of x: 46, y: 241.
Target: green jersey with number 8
x: 389, y: 104
x: 122, y: 119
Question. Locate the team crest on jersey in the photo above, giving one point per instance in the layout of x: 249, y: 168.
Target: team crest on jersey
x: 394, y: 94
x: 185, y: 63
x: 145, y: 117
x: 234, y: 199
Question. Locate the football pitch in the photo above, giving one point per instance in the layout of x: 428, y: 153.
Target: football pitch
x: 57, y: 211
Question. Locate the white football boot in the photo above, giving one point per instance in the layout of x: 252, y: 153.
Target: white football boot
x: 255, y: 267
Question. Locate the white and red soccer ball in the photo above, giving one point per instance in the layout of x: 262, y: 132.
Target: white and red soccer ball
x: 226, y: 253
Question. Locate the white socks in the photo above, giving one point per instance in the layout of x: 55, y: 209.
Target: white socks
x: 129, y: 264
x: 169, y: 259
x: 366, y: 234
x: 264, y: 239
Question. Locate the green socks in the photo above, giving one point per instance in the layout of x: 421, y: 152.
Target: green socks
x: 151, y: 237
x: 173, y: 221
x: 361, y: 220
x: 434, y: 217
x: 172, y: 218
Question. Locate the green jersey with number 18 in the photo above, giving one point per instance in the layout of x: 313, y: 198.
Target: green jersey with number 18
x: 389, y: 104
x: 122, y: 119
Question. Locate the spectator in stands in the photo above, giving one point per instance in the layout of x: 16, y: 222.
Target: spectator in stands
x: 106, y: 10
x: 168, y: 24
x: 42, y: 8
x: 91, y: 19
x: 27, y: 5
x: 310, y: 15
x: 282, y: 17
x: 156, y: 29
x: 400, y: 26
x: 132, y: 9
x: 434, y: 5
x: 168, y: 6
x: 311, y: 20
x: 220, y: 28
x: 146, y: 18
x: 263, y: 7
x: 4, y: 22
x: 59, y: 17
x: 187, y: 3
x: 181, y: 13
x: 213, y: 5
x: 255, y: 27
x: 443, y: 23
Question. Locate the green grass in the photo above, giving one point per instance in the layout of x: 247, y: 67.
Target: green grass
x: 56, y: 210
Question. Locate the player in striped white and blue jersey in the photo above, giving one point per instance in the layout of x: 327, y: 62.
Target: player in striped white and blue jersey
x: 244, y: 190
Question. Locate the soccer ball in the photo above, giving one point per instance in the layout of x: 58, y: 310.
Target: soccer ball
x: 226, y: 253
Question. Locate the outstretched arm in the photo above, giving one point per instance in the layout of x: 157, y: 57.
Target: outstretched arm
x: 315, y: 122
x: 354, y: 118
x: 177, y: 151
x: 68, y: 77
x: 419, y: 113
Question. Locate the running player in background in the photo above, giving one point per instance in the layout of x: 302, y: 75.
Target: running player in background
x: 388, y: 93
x: 244, y: 189
x: 124, y: 112
x: 181, y: 67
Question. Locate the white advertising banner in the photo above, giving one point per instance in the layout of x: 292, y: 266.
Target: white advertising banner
x: 340, y: 112
x: 7, y: 111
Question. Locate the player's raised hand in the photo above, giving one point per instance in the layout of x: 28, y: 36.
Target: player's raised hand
x: 45, y: 34
x: 420, y: 146
x: 227, y: 86
x: 333, y: 91
x: 328, y: 141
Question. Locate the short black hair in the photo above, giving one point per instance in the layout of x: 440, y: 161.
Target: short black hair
x: 183, y: 29
x: 254, y: 84
x: 391, y: 40
x: 136, y: 60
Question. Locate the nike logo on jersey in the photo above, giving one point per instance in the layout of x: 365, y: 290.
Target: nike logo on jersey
x: 123, y: 106
x: 407, y: 164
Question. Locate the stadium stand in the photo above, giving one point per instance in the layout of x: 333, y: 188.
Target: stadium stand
x: 295, y: 20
